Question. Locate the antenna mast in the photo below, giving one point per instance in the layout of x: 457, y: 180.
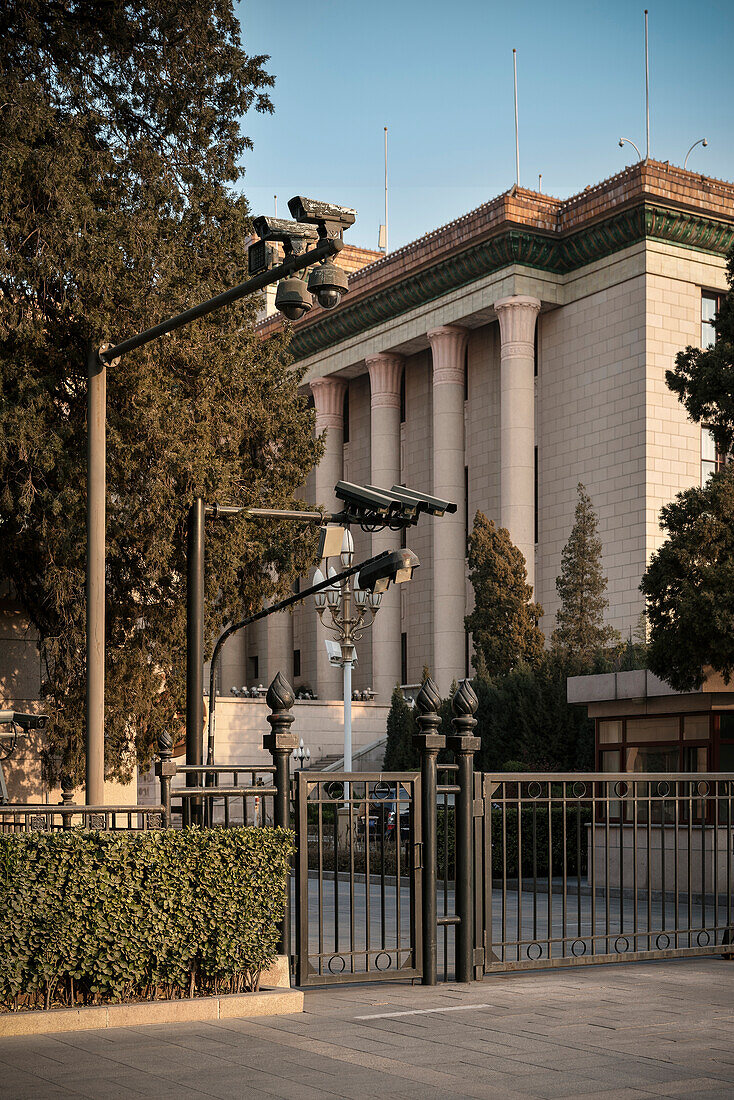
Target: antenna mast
x: 386, y: 249
x: 647, y: 90
x: 517, y: 138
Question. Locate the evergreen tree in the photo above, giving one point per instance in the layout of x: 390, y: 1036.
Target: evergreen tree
x: 120, y: 150
x: 400, y: 755
x: 703, y: 379
x: 689, y: 586
x: 504, y: 622
x: 580, y: 629
x: 525, y: 722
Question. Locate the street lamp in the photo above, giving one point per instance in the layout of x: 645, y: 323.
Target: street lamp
x: 349, y: 604
x: 302, y: 757
x: 264, y: 267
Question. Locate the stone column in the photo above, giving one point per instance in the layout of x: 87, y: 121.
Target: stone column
x: 449, y: 544
x: 517, y: 317
x: 385, y: 373
x: 328, y: 395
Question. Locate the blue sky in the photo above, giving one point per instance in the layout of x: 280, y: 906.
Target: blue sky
x: 439, y: 75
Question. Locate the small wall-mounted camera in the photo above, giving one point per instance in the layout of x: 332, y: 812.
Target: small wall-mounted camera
x: 330, y: 219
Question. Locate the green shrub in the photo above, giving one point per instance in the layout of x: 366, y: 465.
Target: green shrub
x: 88, y: 916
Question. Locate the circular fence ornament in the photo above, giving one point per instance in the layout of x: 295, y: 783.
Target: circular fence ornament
x: 618, y: 942
x: 662, y: 946
x: 574, y: 946
x: 384, y: 965
x: 341, y: 969
x: 534, y: 951
x: 334, y: 790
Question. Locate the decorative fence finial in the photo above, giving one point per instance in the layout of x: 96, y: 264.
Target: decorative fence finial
x: 427, y: 703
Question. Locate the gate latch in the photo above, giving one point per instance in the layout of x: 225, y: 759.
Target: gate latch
x: 418, y: 856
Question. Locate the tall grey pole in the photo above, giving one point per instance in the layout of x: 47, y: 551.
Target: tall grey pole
x: 195, y: 636
x: 647, y: 91
x: 517, y: 131
x: 95, y: 586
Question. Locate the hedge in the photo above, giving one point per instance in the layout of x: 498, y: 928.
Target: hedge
x: 89, y: 917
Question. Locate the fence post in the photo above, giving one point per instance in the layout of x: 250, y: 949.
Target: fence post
x: 464, y: 705
x: 280, y: 743
x: 67, y: 795
x: 428, y: 740
x: 165, y: 769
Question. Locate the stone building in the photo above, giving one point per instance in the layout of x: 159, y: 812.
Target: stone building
x: 497, y: 362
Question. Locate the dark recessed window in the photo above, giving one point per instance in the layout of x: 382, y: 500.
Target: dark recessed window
x: 466, y: 372
x: 296, y: 662
x: 403, y: 658
x: 402, y: 396
x: 345, y: 415
x: 255, y: 668
x: 536, y: 342
x: 466, y: 508
x: 536, y: 494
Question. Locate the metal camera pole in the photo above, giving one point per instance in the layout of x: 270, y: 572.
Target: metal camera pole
x: 97, y: 362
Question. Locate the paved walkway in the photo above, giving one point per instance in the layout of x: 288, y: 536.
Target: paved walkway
x: 663, y: 1029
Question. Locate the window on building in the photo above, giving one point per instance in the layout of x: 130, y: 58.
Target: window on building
x: 403, y: 658
x: 296, y: 663
x: 466, y: 372
x: 712, y: 459
x: 345, y: 415
x: 255, y: 668
x: 402, y: 396
x: 467, y: 672
x: 536, y: 343
x: 710, y: 305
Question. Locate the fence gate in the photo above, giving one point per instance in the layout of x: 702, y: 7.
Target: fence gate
x: 597, y: 868
x: 358, y: 877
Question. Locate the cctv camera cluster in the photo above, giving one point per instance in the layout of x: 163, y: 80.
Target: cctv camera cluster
x: 314, y: 221
x: 374, y: 508
x: 248, y: 693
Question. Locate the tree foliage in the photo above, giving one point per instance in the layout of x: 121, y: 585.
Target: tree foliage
x: 689, y: 586
x: 119, y: 154
x: 400, y: 755
x: 582, y: 586
x: 525, y: 722
x: 504, y: 622
x: 703, y: 378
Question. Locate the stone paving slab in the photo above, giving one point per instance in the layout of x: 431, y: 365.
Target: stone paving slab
x: 624, y: 1032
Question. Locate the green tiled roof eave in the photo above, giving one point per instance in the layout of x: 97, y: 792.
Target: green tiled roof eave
x: 517, y: 245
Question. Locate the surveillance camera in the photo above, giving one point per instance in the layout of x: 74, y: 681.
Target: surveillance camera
x: 329, y: 284
x: 361, y: 499
x: 396, y: 566
x: 330, y: 219
x: 292, y: 298
x: 425, y: 503
x: 293, y: 236
x: 261, y: 256
x: 26, y: 722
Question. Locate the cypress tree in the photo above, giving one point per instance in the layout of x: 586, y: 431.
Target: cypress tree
x: 120, y: 154
x: 582, y: 585
x: 504, y: 622
x: 400, y: 755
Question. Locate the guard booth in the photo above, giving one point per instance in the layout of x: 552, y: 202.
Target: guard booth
x: 644, y: 727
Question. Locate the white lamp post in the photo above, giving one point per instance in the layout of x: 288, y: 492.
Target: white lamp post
x: 348, y: 605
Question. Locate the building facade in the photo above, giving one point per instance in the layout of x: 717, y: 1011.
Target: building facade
x: 497, y: 362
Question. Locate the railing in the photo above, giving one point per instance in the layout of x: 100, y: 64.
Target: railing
x: 40, y: 817
x: 358, y: 896
x: 245, y: 798
x: 602, y: 867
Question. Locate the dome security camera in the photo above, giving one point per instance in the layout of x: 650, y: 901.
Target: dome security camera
x: 328, y: 283
x: 292, y: 298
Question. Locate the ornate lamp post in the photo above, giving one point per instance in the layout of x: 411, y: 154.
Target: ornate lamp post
x: 348, y: 606
x: 302, y: 756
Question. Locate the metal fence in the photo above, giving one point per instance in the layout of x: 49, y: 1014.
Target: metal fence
x: 358, y: 896
x: 40, y: 817
x: 605, y: 868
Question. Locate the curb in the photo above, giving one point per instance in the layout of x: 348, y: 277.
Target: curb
x: 268, y: 1002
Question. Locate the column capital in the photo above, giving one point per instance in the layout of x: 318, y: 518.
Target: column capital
x: 385, y: 373
x: 328, y: 397
x: 517, y: 315
x: 447, y: 345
